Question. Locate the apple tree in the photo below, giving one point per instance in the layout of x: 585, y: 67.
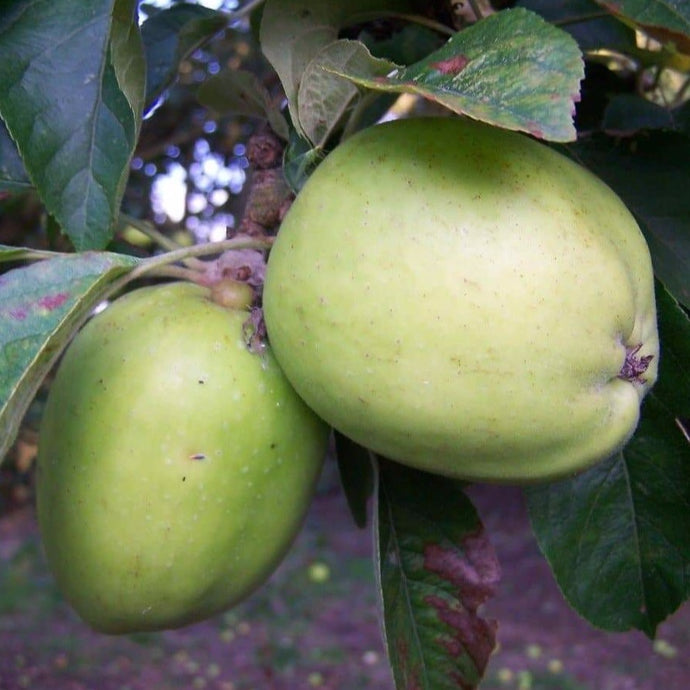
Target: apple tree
x: 86, y: 96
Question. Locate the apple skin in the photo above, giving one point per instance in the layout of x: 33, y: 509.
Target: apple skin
x: 175, y: 467
x: 462, y: 299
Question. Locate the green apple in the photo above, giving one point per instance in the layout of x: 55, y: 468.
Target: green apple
x: 175, y: 467
x: 464, y: 300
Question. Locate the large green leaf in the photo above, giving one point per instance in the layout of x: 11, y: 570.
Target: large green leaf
x: 511, y: 69
x: 71, y: 88
x: 585, y: 22
x: 170, y: 35
x: 41, y: 305
x: 436, y: 568
x: 651, y: 174
x: 666, y: 20
x: 618, y: 536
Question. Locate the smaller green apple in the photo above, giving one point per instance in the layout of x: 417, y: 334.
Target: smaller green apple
x: 175, y: 467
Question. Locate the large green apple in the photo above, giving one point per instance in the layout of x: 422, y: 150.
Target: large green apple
x: 175, y: 467
x: 464, y: 300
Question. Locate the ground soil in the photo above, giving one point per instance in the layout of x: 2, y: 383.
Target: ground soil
x: 314, y: 624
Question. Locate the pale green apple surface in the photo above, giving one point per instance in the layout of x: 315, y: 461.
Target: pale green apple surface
x: 464, y: 300
x: 175, y: 467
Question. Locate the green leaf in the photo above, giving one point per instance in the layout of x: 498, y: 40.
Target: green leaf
x: 323, y: 98
x: 628, y: 113
x: 585, y: 22
x: 239, y: 92
x: 404, y: 47
x: 666, y: 20
x: 651, y: 174
x: 10, y: 253
x: 71, y: 104
x: 293, y: 32
x: 41, y: 306
x: 511, y: 69
x: 356, y: 476
x: 299, y: 161
x: 618, y: 536
x: 13, y: 177
x: 437, y: 568
x: 172, y: 34
x: 127, y: 54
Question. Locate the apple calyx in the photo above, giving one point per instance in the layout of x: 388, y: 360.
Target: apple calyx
x: 254, y: 331
x: 634, y: 366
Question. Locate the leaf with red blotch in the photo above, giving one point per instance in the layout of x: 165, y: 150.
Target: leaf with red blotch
x: 41, y: 306
x: 436, y: 569
x: 512, y: 69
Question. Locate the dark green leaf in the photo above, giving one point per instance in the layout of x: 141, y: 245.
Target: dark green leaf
x: 70, y: 99
x: 408, y: 45
x: 239, y: 92
x: 618, y: 536
x: 13, y: 176
x: 437, y: 568
x: 169, y: 36
x: 41, y: 306
x: 651, y: 174
x: 511, y: 69
x: 666, y: 20
x: 585, y: 22
x: 627, y: 114
x: 356, y: 476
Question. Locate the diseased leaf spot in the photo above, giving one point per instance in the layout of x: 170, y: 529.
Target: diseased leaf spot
x: 451, y: 66
x: 475, y: 575
x: 473, y: 571
x: 473, y: 635
x: 51, y: 302
x: 19, y: 313
x: 534, y: 129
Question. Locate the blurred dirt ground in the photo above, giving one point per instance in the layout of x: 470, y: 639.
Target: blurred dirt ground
x: 314, y: 624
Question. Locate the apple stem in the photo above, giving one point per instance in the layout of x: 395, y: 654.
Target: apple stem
x: 147, y: 228
x: 162, y: 265
x: 180, y: 272
x: 634, y: 366
x: 238, y: 242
